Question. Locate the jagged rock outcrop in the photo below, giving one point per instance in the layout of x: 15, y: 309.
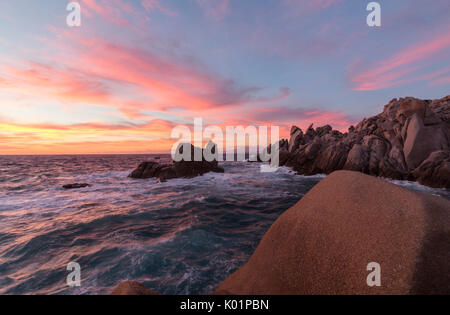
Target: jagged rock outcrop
x: 181, y: 168
x: 435, y: 170
x: 442, y: 108
x: 399, y: 143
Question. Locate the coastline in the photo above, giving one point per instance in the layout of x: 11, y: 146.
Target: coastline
x: 162, y: 215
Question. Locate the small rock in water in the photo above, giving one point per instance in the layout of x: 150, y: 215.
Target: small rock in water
x: 76, y: 186
x: 161, y: 180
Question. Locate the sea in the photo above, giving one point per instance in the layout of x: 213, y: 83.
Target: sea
x: 184, y: 236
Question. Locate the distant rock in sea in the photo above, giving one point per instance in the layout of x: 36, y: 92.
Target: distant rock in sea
x: 324, y: 244
x: 181, y: 169
x: 76, y: 186
x: 409, y: 140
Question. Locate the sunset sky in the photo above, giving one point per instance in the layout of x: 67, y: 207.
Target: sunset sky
x: 137, y: 68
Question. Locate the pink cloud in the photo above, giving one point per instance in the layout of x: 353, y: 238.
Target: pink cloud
x: 169, y: 83
x: 166, y: 80
x: 302, y: 117
x: 284, y: 117
x: 394, y: 70
x: 125, y: 13
x: 132, y: 80
x: 110, y: 10
x: 216, y: 9
x: 40, y: 79
x: 152, y: 5
x: 41, y: 83
x: 439, y: 81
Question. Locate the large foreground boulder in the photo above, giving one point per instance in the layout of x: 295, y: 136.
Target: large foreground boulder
x: 184, y: 168
x: 324, y: 243
x: 393, y: 144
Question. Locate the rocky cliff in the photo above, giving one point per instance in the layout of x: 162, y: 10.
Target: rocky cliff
x: 409, y: 140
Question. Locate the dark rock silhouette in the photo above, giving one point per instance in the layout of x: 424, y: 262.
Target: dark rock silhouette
x: 409, y: 140
x: 76, y: 186
x: 180, y: 168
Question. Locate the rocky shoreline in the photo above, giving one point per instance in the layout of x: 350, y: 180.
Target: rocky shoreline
x: 409, y: 140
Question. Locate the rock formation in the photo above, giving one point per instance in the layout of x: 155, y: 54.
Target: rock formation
x: 180, y: 169
x: 409, y: 140
x: 324, y: 243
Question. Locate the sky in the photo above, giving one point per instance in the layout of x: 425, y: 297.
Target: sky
x: 135, y: 69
